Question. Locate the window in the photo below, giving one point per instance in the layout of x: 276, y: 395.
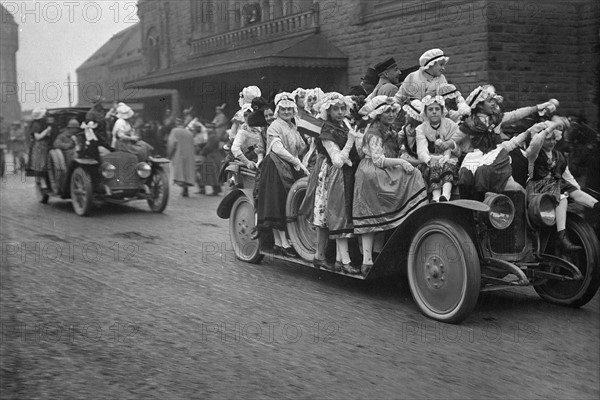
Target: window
x: 375, y: 10
x: 153, y: 50
x: 204, y: 15
x: 252, y: 13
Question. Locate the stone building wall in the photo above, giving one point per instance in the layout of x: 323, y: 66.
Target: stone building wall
x: 408, y: 30
x: 10, y: 108
x: 549, y: 49
x: 530, y: 50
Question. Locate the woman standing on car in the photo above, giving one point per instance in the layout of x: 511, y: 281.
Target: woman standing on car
x: 279, y: 170
x: 40, y: 133
x: 124, y: 136
x: 386, y: 187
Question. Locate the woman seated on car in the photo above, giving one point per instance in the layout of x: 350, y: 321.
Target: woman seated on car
x: 67, y: 141
x: 124, y: 136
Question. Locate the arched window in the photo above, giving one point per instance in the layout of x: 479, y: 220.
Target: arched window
x: 153, y: 50
x: 251, y: 13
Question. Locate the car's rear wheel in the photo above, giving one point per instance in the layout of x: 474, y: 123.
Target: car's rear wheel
x: 57, y: 170
x: 303, y: 235
x: 159, y: 191
x: 81, y: 191
x: 241, y: 225
x: 443, y: 271
x: 575, y: 293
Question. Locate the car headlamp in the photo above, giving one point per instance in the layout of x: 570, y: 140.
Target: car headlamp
x: 541, y: 210
x: 502, y: 210
x: 108, y: 170
x: 143, y: 170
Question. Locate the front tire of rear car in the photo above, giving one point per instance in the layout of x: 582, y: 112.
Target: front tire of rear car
x: 81, y: 192
x: 444, y: 271
x: 159, y: 191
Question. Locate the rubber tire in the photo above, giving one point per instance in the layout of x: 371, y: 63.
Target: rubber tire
x: 463, y: 270
x: 302, y: 234
x: 82, y: 182
x: 241, y: 224
x: 57, y: 170
x: 580, y: 233
x: 161, y: 177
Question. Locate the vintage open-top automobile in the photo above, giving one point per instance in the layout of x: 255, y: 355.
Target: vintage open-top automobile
x: 116, y: 177
x: 450, y: 251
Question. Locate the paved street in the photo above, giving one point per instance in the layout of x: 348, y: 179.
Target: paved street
x: 130, y: 304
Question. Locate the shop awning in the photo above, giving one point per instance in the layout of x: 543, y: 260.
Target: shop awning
x: 313, y: 51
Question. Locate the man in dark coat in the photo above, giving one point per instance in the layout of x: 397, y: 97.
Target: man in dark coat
x: 367, y: 84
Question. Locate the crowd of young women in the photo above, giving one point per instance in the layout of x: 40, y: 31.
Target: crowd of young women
x: 367, y: 174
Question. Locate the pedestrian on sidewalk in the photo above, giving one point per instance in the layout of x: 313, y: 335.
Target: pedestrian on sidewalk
x: 180, y: 148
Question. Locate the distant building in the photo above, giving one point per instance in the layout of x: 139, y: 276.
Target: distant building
x: 209, y: 50
x: 117, y: 61
x: 10, y: 108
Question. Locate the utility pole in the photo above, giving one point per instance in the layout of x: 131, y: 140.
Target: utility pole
x: 69, y: 86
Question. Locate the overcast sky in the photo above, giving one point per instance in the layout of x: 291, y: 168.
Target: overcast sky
x: 56, y: 37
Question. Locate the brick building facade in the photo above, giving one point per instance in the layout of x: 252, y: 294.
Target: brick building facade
x: 10, y: 108
x: 531, y: 51
x: 105, y: 72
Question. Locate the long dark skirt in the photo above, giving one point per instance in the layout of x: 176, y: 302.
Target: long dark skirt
x: 39, y: 156
x: 550, y: 185
x: 272, y: 195
x: 436, y: 176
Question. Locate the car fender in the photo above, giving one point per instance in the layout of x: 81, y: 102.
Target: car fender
x: 224, y: 208
x: 159, y: 160
x: 86, y: 161
x: 395, y: 251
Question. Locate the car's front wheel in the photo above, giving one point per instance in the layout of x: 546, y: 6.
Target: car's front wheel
x: 159, y: 191
x: 444, y: 271
x: 81, y: 191
x: 575, y: 293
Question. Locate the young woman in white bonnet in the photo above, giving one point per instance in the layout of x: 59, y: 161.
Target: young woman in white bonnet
x: 454, y: 102
x: 246, y: 96
x: 280, y: 168
x: 440, y: 165
x: 328, y: 203
x: 549, y: 173
x: 407, y: 137
x: 486, y: 166
x: 386, y: 186
x: 427, y: 79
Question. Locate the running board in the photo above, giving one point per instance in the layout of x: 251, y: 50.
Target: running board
x: 270, y: 256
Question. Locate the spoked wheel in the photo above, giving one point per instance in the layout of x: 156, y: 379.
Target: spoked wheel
x: 81, y: 192
x: 56, y: 170
x: 159, y: 190
x: 40, y: 192
x: 575, y: 293
x: 241, y: 224
x: 443, y: 271
x: 303, y: 235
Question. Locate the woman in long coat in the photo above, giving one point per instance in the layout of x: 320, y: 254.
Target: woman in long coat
x: 180, y: 147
